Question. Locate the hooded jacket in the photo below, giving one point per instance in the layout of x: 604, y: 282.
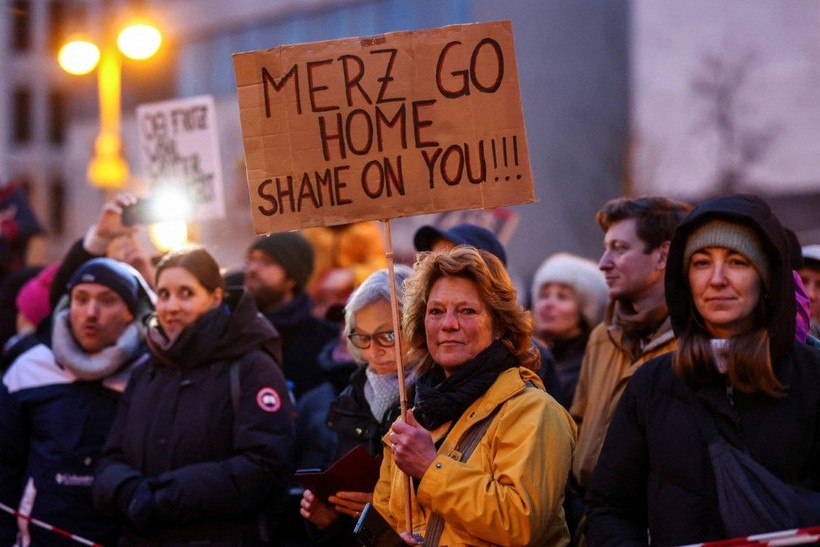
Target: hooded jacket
x: 202, y: 463
x: 654, y: 472
x: 753, y: 212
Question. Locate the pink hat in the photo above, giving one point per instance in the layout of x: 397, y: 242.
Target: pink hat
x: 32, y: 300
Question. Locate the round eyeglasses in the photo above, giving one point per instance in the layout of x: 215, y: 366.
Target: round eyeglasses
x: 384, y: 339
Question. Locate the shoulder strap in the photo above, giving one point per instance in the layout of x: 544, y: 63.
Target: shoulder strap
x: 466, y: 445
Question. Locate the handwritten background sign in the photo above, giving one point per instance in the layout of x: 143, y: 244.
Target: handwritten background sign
x: 180, y: 150
x: 383, y: 127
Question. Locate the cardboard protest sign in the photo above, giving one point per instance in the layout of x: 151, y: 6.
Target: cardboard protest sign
x: 382, y: 127
x: 180, y: 151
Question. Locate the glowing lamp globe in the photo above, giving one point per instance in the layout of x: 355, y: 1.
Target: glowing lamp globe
x: 79, y: 56
x: 139, y: 41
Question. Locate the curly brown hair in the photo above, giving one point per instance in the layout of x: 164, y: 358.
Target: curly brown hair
x: 509, y: 319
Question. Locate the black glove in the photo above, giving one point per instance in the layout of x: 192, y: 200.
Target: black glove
x: 143, y: 513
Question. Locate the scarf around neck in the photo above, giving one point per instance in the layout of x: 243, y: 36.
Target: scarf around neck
x: 440, y: 400
x: 381, y: 391
x: 637, y: 327
x: 93, y: 366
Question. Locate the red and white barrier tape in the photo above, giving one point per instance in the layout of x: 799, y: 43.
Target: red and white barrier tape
x: 49, y: 527
x: 798, y: 536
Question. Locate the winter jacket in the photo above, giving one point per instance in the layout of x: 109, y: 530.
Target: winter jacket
x: 316, y: 443
x: 549, y: 375
x: 568, y: 355
x: 510, y: 491
x: 353, y: 424
x: 303, y: 337
x: 654, y: 472
x: 352, y: 420
x: 606, y: 369
x: 187, y: 463
x: 52, y: 430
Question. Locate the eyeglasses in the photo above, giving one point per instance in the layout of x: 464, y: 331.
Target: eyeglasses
x: 384, y: 339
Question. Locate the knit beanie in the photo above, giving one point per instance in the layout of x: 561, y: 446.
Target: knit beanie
x: 33, y: 299
x: 292, y: 251
x: 115, y: 275
x: 727, y: 235
x: 583, y: 276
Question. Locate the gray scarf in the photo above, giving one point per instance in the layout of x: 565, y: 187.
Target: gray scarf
x: 381, y: 392
x: 94, y: 366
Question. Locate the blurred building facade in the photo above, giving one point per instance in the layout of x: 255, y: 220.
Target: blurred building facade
x: 572, y: 60
x: 588, y: 75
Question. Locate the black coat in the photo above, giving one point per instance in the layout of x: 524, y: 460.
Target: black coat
x: 211, y: 464
x: 350, y: 417
x: 303, y: 338
x: 654, y: 471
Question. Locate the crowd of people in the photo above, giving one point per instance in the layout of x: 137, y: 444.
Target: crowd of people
x: 667, y: 394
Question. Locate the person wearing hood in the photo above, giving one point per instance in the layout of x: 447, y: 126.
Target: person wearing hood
x: 737, y: 376
x: 57, y: 403
x: 203, y: 437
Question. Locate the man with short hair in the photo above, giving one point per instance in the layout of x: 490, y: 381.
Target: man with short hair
x: 810, y: 275
x: 636, y: 326
x: 58, y: 401
x: 277, y: 268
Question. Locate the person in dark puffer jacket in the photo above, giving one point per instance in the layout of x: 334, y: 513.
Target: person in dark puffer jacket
x: 203, y: 438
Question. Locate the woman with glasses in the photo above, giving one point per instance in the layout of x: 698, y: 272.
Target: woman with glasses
x: 364, y: 411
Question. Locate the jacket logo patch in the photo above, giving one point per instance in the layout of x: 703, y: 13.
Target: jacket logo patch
x: 268, y: 400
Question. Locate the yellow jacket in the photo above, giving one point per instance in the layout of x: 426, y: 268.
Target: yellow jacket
x: 511, y: 490
x: 605, y: 371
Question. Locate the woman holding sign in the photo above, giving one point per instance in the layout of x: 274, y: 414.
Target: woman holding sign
x: 487, y: 450
x: 364, y: 411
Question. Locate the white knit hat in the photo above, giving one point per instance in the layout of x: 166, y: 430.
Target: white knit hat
x: 583, y: 276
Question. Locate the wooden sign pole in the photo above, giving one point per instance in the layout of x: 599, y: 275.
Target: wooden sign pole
x: 394, y: 308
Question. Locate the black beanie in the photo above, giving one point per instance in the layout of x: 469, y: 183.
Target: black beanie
x: 292, y: 251
x: 111, y: 273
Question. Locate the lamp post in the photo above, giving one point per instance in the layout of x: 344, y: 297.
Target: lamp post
x: 107, y: 168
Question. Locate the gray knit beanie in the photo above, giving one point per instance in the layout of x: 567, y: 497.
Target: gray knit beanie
x: 583, y: 276
x: 727, y: 235
x: 292, y: 251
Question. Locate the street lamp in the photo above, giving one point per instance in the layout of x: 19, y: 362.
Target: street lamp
x: 107, y: 168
